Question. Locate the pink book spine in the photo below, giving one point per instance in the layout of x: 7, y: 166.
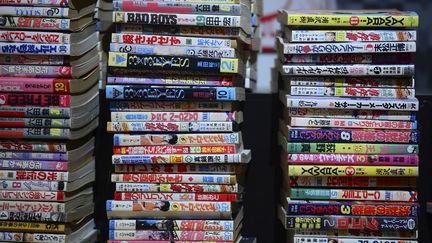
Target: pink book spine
x: 35, y: 71
x: 34, y: 85
x: 354, y: 159
x: 25, y: 99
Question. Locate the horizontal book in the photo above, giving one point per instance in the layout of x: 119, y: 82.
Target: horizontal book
x: 194, y: 52
x: 142, y: 93
x: 172, y: 106
x: 143, y: 18
x: 336, y: 35
x: 177, y: 139
x: 396, y: 93
x: 350, y: 123
x: 347, y: 58
x: 352, y: 159
x: 166, y: 209
x: 306, y: 207
x: 243, y: 156
x: 195, y: 31
x: 171, y: 235
x: 362, y: 18
x: 42, y: 11
x: 357, y: 182
x: 224, y: 81
x: 342, y: 135
x: 341, y: 113
x: 304, y: 239
x: 236, y: 116
x: 186, y: 225
x: 47, y: 23
x: 177, y: 149
x: 160, y: 187
x: 360, y: 82
x: 350, y: 222
x: 172, y: 126
x: 352, y: 194
x: 175, y: 178
x: 178, y: 196
x: 366, y: 70
x: 152, y: 64
x: 179, y: 168
x: 349, y: 103
x: 348, y: 47
x: 335, y: 170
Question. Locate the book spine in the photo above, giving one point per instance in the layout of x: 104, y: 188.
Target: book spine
x: 328, y: 170
x: 32, y: 227
x: 302, y: 239
x: 33, y: 156
x: 12, y: 22
x: 348, y: 58
x: 119, y: 92
x: 183, y: 7
x: 34, y: 85
x: 170, y: 126
x: 37, y: 147
x: 33, y: 165
x: 31, y: 111
x: 350, y: 208
x: 353, y: 159
x: 346, y: 148
x: 34, y: 185
x: 176, y: 139
x: 172, y: 63
x: 352, y: 82
x: 35, y: 71
x: 34, y: 49
x: 170, y: 106
x: 34, y: 60
x: 351, y: 135
x: 174, y: 178
x: 364, y: 114
x: 54, y: 3
x: 174, y: 116
x: 34, y: 11
x: 337, y: 181
x: 358, y: 234
x: 351, y: 222
x: 178, y: 196
x: 352, y: 123
x: 33, y: 175
x: 198, y: 31
x: 197, y: 52
x: 184, y: 225
x: 354, y: 194
x: 177, y: 81
x: 161, y: 40
x: 353, y: 103
x: 34, y: 37
x: 25, y: 99
x: 180, y: 168
x: 31, y: 196
x: 389, y: 21
x: 37, y: 216
x: 350, y: 47
x: 353, y: 35
x: 11, y: 237
x: 349, y: 70
x: 167, y: 235
x: 177, y: 158
x: 163, y: 149
x: 34, y: 122
x: 146, y: 187
x: 28, y: 206
x: 37, y: 132
x: 176, y: 19
x: 397, y: 93
x: 181, y: 206
x: 42, y: 238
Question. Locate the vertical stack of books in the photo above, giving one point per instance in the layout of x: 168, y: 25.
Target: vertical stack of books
x: 254, y: 47
x: 176, y: 73
x: 48, y: 109
x: 105, y: 27
x: 349, y: 131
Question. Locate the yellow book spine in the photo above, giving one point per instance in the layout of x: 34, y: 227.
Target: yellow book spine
x: 352, y: 20
x: 32, y: 227
x: 328, y: 170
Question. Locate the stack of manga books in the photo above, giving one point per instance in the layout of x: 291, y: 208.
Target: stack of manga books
x: 49, y: 107
x: 255, y: 46
x: 105, y: 26
x: 176, y: 73
x: 349, y: 130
